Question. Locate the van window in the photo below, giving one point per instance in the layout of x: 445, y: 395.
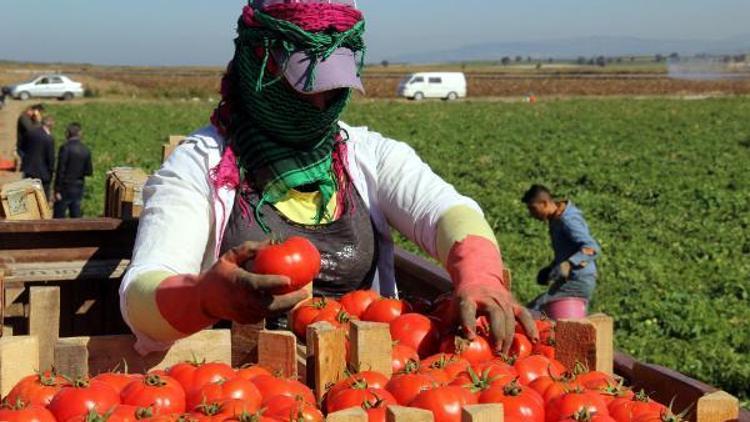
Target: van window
x: 416, y: 80
x: 436, y: 80
x: 43, y: 81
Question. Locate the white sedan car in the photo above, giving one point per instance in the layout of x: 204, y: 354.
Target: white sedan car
x: 55, y: 86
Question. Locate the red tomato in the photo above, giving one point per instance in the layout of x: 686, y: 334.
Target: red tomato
x: 656, y: 416
x: 551, y: 387
x: 519, y: 403
x: 304, y: 314
x: 82, y: 396
x: 495, y: 368
x: 36, y: 389
x: 249, y: 372
x: 194, y: 375
x: 443, y: 367
x: 357, y: 301
x: 416, y: 331
x: 361, y: 380
x: 287, y: 408
x: 625, y: 409
x: 521, y: 346
x: 475, y: 351
x: 296, y: 258
x: 574, y: 402
x: 406, y: 387
x: 595, y: 379
x: 340, y: 319
x: 477, y: 382
x: 609, y: 393
x: 21, y: 412
x: 385, y: 310
x: 585, y: 416
x: 121, y: 413
x: 357, y: 397
x: 117, y: 380
x: 535, y: 366
x: 234, y: 388
x: 270, y: 387
x: 445, y: 403
x: 544, y: 348
x: 164, y: 395
x: 403, y: 356
x: 224, y: 410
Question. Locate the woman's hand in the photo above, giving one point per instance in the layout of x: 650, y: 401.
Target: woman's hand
x: 230, y: 292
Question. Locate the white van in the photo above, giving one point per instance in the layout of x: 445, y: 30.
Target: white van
x: 446, y: 85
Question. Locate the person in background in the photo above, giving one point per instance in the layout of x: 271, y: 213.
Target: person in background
x: 29, y: 120
x: 572, y: 274
x: 39, y: 154
x: 74, y: 164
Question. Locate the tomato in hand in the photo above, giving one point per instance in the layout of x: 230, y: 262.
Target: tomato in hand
x: 475, y: 351
x: 521, y: 346
x: 296, y: 258
x: 164, y: 395
x: 416, y: 331
x: 357, y: 301
x: 36, y: 389
x: 385, y: 310
x: 81, y: 397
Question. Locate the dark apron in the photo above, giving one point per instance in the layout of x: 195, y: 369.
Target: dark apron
x: 348, y: 247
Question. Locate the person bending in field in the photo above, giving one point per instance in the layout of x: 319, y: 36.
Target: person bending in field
x: 277, y: 162
x: 572, y: 274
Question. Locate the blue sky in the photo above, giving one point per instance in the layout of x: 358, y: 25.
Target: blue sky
x: 158, y: 32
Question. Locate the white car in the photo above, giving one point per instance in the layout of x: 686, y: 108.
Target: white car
x: 445, y: 85
x: 55, y: 86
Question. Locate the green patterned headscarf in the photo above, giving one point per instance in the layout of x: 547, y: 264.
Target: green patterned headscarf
x: 282, y: 141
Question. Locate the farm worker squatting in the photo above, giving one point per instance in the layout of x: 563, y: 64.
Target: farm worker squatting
x: 277, y: 161
x: 572, y: 273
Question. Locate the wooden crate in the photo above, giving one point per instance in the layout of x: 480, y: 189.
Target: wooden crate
x: 9, y: 177
x: 24, y: 200
x: 124, y: 192
x: 172, y: 142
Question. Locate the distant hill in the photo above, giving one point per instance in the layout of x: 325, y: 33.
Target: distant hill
x: 575, y: 47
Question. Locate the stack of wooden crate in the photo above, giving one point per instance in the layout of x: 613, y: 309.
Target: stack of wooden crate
x: 24, y: 200
x: 124, y: 192
x: 320, y: 364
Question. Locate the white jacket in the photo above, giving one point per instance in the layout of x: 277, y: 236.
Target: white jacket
x: 184, y: 217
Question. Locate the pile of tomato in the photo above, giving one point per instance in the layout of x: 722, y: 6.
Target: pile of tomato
x: 433, y: 369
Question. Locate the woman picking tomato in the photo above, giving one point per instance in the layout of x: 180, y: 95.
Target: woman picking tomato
x: 277, y: 162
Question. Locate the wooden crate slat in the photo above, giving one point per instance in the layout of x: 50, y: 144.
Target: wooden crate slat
x: 408, y: 414
x: 482, y: 413
x: 326, y: 356
x: 355, y: 414
x: 588, y: 341
x: 77, y: 356
x: 718, y: 406
x: 44, y: 322
x: 371, y: 347
x: 19, y: 357
x: 277, y: 352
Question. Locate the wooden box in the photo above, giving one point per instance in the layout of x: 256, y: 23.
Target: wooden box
x: 9, y: 177
x: 24, y: 200
x: 124, y: 192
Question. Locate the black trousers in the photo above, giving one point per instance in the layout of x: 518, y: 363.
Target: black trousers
x: 72, y: 195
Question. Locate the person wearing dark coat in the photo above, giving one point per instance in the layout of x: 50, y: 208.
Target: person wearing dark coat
x: 39, y: 155
x: 28, y: 121
x: 73, y: 165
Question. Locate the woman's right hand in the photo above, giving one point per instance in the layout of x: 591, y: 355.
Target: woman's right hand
x: 230, y: 292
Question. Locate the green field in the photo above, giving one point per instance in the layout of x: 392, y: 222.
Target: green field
x: 664, y: 184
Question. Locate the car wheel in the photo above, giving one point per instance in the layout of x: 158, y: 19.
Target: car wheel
x: 418, y: 96
x: 67, y: 96
x: 452, y: 96
x: 24, y: 96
